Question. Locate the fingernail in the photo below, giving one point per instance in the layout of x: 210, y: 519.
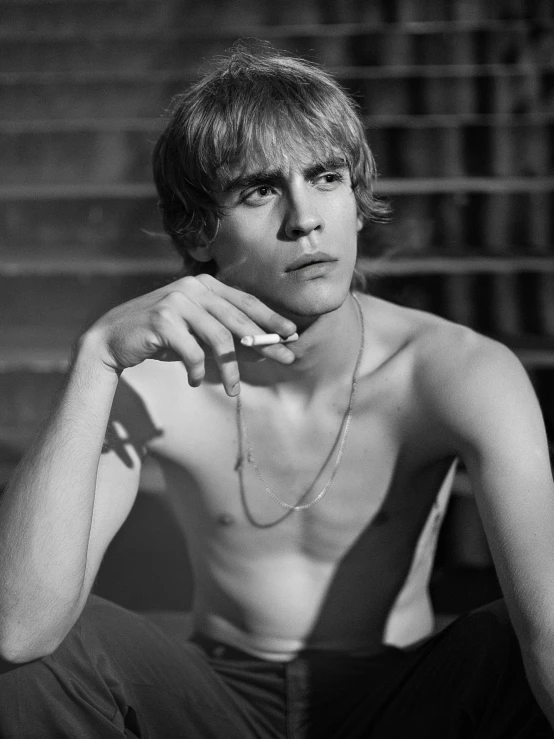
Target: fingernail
x: 235, y: 390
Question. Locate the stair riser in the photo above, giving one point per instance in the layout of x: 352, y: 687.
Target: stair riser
x: 102, y: 99
x: 69, y: 17
x: 76, y: 158
x: 98, y: 226
x: 66, y: 302
x: 113, y: 55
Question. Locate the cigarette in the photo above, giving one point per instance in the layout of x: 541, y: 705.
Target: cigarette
x: 267, y: 339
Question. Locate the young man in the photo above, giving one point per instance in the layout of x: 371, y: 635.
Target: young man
x: 310, y: 494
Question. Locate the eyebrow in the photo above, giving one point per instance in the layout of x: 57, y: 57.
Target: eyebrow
x: 272, y: 176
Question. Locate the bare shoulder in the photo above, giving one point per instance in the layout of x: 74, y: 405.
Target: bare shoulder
x: 474, y: 387
x: 456, y: 374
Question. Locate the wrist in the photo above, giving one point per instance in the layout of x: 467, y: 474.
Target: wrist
x: 90, y: 356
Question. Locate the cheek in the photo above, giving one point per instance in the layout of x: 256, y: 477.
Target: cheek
x: 242, y: 260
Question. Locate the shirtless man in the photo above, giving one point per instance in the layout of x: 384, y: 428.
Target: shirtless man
x: 310, y: 495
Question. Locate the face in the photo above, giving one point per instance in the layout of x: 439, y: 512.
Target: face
x: 289, y: 234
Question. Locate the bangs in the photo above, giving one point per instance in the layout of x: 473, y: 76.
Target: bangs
x: 257, y: 110
x: 264, y: 129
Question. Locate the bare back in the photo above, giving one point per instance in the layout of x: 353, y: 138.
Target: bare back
x: 271, y: 580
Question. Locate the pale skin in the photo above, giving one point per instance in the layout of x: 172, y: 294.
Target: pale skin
x: 429, y: 392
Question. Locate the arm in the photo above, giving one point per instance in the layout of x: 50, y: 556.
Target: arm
x: 46, y: 514
x: 66, y: 501
x: 493, y: 416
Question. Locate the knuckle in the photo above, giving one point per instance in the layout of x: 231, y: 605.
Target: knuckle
x: 250, y: 301
x: 191, y: 284
x: 205, y: 280
x: 223, y: 338
x: 172, y: 298
x: 162, y: 316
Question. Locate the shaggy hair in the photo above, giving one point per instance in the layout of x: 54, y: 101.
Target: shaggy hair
x: 257, y: 106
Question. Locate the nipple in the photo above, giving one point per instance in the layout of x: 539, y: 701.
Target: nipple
x: 225, y: 519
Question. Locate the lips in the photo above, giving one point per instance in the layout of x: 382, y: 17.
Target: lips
x: 306, y: 259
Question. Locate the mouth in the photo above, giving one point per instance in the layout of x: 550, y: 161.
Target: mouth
x: 306, y: 260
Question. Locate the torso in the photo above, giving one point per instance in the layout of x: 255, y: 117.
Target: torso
x: 273, y: 581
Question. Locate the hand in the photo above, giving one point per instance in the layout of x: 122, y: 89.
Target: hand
x: 184, y: 320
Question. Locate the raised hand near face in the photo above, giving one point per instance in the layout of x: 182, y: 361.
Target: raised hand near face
x: 187, y: 321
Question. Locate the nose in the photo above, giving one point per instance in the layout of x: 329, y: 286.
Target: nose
x: 302, y: 216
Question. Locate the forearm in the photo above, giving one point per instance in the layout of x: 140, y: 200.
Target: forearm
x: 46, y: 511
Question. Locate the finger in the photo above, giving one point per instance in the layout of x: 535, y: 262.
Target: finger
x: 252, y: 307
x: 219, y: 338
x: 241, y: 325
x: 178, y: 340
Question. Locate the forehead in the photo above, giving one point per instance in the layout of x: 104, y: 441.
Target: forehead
x: 278, y: 159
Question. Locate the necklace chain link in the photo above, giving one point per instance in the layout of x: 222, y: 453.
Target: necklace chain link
x: 345, y: 426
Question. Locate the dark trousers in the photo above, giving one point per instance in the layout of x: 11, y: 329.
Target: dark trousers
x: 118, y: 675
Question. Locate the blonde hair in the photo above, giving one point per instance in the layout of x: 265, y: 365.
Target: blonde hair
x: 256, y: 104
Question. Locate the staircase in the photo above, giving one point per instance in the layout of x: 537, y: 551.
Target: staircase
x: 459, y: 101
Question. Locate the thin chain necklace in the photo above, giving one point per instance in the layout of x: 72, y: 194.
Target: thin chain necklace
x: 345, y: 427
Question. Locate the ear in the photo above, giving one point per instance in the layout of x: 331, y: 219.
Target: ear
x: 201, y: 252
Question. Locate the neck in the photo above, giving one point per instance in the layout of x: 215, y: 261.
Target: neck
x: 326, y: 350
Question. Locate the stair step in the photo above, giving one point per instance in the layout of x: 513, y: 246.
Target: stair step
x: 70, y: 302
x: 98, y: 98
x: 91, y: 58
x: 128, y: 93
x: 17, y: 263
x: 72, y: 16
x: 98, y: 225
x: 277, y: 29
x: 144, y: 49
x: 74, y: 158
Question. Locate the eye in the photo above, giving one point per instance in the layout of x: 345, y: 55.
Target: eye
x: 258, y: 195
x: 329, y: 180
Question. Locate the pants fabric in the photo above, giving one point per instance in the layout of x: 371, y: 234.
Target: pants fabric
x: 119, y: 675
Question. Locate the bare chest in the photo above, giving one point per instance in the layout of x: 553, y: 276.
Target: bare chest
x: 318, y: 484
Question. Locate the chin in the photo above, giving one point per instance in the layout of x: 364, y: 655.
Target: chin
x: 311, y: 303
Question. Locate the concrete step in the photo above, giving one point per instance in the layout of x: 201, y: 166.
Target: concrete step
x: 418, y: 90
x: 70, y: 16
x: 173, y: 46
x: 22, y: 263
x: 75, y: 157
x: 118, y: 54
x: 66, y: 301
x: 107, y: 97
x: 99, y: 225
